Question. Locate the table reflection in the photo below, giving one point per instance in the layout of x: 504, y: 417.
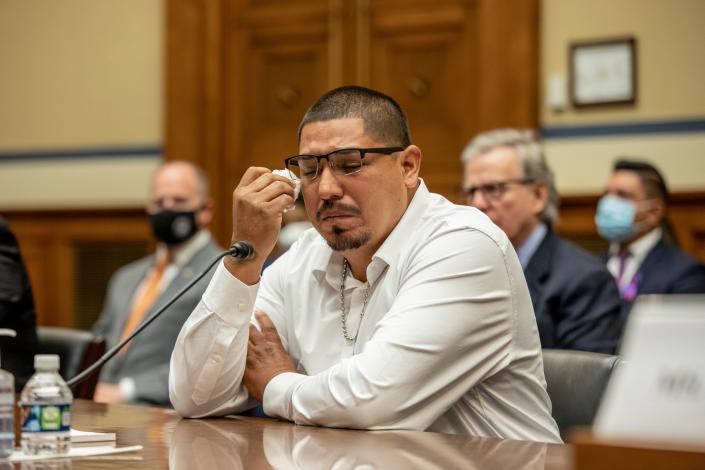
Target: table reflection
x: 252, y: 443
x: 57, y: 464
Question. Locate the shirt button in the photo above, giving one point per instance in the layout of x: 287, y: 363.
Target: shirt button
x: 242, y: 306
x: 216, y: 359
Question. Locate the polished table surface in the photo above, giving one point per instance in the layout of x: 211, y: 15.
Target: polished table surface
x: 252, y: 443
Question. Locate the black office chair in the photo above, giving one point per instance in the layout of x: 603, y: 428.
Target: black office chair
x: 77, y: 349
x: 576, y: 381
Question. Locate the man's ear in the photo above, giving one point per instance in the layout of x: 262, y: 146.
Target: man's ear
x: 540, y: 192
x: 411, y: 165
x: 656, y: 212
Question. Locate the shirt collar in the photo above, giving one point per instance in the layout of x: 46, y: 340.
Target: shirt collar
x: 330, y: 263
x: 531, y: 244
x: 187, y: 250
x: 640, y: 247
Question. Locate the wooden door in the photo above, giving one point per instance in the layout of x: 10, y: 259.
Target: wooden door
x: 241, y: 74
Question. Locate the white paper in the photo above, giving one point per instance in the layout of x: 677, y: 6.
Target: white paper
x: 19, y: 456
x: 90, y: 436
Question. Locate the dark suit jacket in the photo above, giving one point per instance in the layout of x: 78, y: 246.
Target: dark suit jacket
x: 147, y: 358
x: 575, y: 297
x: 16, y: 310
x: 667, y: 270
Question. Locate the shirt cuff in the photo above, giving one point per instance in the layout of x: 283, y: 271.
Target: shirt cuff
x: 128, y: 389
x: 278, y: 394
x: 229, y: 298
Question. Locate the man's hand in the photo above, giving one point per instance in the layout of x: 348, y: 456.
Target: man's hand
x: 266, y: 357
x: 107, y: 393
x: 258, y: 203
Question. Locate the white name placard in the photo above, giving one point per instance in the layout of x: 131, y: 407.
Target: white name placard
x: 657, y: 394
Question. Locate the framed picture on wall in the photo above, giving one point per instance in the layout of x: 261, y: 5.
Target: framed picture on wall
x: 603, y: 72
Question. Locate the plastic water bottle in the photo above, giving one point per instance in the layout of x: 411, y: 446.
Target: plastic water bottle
x: 45, y: 405
x: 7, y: 407
x: 7, y: 413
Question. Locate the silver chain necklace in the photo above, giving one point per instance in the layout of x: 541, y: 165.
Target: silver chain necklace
x: 343, y: 313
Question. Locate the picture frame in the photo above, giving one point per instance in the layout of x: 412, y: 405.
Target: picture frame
x: 603, y: 72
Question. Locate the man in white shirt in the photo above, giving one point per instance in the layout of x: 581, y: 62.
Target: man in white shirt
x: 179, y: 210
x: 399, y: 310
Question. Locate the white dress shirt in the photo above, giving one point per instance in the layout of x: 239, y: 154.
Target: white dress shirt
x: 527, y: 249
x: 448, y: 341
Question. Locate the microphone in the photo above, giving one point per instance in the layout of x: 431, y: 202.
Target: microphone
x: 241, y: 250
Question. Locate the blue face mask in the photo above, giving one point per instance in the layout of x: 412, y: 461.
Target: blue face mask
x: 615, y: 218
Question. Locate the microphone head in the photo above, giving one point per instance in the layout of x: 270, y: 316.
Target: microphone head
x: 242, y: 250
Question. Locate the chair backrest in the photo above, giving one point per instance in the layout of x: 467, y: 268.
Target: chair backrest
x: 576, y: 381
x: 77, y: 349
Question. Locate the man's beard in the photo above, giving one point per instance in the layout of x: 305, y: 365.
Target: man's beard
x: 341, y: 242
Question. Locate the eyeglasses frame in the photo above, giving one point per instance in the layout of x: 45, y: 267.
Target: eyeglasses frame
x: 293, y: 161
x: 469, y: 192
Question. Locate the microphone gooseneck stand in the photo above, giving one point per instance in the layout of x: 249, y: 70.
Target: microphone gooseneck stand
x: 241, y: 250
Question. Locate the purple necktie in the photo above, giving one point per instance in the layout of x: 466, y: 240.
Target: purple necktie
x: 623, y: 256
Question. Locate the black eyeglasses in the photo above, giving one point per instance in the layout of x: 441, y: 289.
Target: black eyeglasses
x: 493, y: 191
x: 341, y: 161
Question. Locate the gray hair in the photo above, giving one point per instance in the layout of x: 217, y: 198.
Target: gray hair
x: 530, y: 153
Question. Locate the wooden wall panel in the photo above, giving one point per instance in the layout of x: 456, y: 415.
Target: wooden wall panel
x: 194, y: 123
x: 240, y: 74
x: 415, y: 59
x: 49, y: 241
x: 506, y: 63
x: 276, y: 64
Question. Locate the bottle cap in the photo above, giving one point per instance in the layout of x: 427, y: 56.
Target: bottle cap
x: 46, y: 362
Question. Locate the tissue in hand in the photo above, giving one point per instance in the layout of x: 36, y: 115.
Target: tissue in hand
x: 293, y: 178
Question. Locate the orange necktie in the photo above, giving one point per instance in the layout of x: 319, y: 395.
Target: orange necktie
x: 146, y: 299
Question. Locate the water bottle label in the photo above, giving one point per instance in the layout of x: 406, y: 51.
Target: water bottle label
x: 46, y: 418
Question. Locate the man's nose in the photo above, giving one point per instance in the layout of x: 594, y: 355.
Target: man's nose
x: 328, y: 184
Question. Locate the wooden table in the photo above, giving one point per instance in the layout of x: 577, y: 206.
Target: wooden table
x: 252, y: 443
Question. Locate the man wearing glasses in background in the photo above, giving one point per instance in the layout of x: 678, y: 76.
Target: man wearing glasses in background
x: 575, y: 298
x: 399, y: 310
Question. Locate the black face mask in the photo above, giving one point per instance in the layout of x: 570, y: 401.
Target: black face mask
x: 173, y: 227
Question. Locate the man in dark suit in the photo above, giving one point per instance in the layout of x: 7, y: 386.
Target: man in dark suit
x: 16, y: 310
x: 574, y: 297
x: 643, y: 255
x: 179, y: 210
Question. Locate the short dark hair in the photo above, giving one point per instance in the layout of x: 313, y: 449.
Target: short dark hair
x: 383, y: 118
x: 651, y: 178
x: 655, y: 188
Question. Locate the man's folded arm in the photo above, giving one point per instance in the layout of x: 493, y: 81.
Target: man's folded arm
x: 208, y: 360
